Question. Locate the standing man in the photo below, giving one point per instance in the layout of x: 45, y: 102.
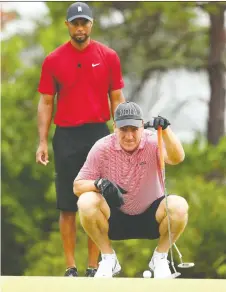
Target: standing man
x: 121, y: 190
x: 82, y: 73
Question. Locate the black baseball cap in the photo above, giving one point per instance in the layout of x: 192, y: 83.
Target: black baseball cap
x: 128, y: 114
x: 79, y: 10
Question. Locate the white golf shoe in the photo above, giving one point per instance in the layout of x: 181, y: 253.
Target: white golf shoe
x: 108, y: 267
x: 160, y: 266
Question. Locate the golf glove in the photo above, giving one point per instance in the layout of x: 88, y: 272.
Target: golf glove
x: 110, y: 191
x: 156, y: 122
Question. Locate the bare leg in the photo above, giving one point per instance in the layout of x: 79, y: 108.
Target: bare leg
x: 178, y: 212
x: 94, y: 213
x: 67, y: 224
x: 93, y: 254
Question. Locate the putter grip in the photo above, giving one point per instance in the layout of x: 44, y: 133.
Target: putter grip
x: 160, y: 144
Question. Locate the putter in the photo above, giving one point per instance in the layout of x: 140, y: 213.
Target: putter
x: 182, y: 264
x: 162, y: 165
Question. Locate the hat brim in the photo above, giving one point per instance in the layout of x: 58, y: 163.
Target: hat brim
x: 80, y: 16
x: 129, y: 122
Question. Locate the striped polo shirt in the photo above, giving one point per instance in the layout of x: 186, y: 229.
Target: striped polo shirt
x: 138, y: 173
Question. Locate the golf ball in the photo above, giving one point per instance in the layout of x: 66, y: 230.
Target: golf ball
x: 147, y: 274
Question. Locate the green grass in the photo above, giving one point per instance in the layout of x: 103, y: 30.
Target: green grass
x: 62, y: 284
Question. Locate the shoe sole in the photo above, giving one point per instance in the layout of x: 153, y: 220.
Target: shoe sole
x: 116, y: 273
x: 113, y: 274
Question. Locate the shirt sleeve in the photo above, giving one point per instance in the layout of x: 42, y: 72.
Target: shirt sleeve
x: 116, y: 80
x: 91, y: 169
x: 47, y: 83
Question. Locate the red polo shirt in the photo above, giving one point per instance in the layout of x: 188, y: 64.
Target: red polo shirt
x: 81, y: 80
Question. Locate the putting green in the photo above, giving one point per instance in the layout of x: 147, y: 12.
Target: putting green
x: 62, y: 284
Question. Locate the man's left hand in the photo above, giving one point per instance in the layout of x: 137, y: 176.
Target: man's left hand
x: 160, y: 121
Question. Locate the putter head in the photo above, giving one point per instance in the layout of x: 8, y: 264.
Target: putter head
x: 186, y: 265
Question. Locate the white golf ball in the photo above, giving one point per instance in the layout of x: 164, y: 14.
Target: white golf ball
x: 147, y: 274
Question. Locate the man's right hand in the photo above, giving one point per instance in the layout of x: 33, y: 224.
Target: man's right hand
x: 111, y: 192
x: 42, y: 154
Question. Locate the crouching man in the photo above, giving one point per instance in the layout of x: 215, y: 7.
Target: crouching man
x: 121, y: 190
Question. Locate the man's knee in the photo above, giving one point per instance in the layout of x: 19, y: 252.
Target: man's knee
x: 89, y: 203
x: 178, y: 208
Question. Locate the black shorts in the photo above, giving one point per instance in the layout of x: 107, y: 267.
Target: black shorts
x: 71, y: 146
x: 142, y: 226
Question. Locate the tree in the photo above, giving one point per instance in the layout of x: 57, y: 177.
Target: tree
x: 216, y: 72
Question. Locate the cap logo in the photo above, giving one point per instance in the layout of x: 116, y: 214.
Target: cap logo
x: 128, y: 112
x: 79, y: 9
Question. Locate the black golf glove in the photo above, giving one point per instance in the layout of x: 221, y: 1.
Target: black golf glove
x: 110, y: 191
x: 156, y: 122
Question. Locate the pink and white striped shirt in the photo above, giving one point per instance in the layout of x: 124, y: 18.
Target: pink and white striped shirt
x: 138, y: 173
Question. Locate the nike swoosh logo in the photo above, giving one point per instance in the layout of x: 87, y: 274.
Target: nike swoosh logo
x: 94, y: 65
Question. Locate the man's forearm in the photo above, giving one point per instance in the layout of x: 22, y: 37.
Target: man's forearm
x: 83, y: 186
x: 174, y: 148
x: 45, y: 112
x: 116, y: 98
